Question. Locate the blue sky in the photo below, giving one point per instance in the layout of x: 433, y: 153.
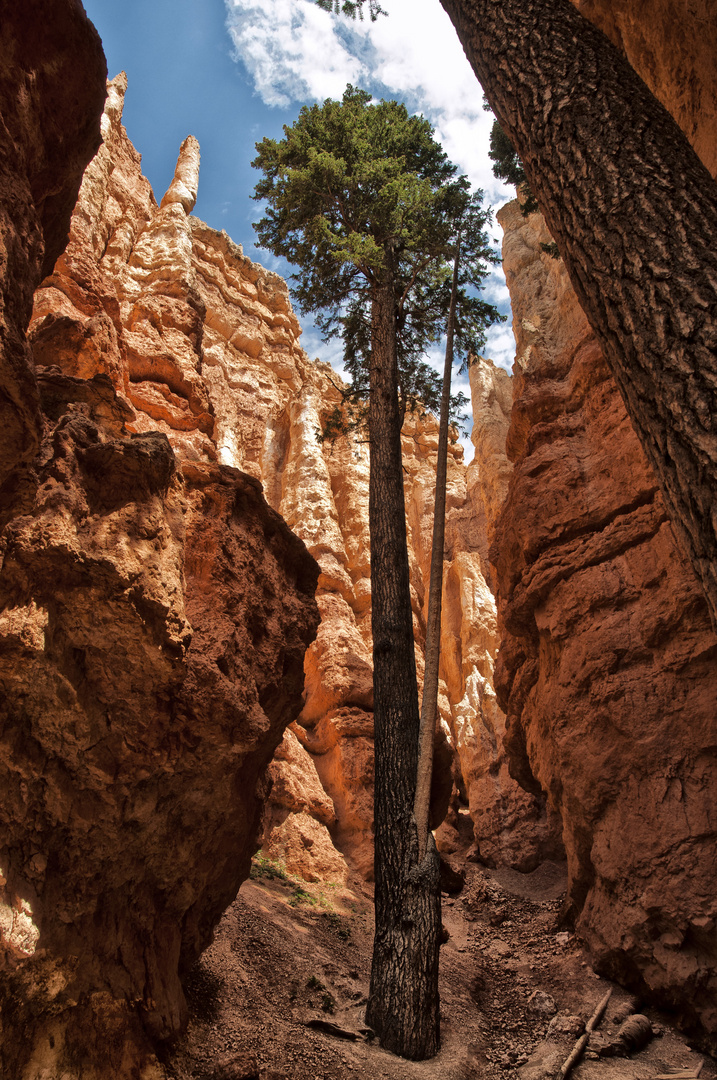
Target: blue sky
x: 233, y: 71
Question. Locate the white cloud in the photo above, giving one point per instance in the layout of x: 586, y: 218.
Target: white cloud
x: 496, y: 292
x: 500, y: 346
x: 295, y: 52
x: 291, y: 49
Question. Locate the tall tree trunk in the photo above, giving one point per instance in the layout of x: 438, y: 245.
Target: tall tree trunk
x: 403, y: 998
x: 429, y: 705
x: 634, y: 214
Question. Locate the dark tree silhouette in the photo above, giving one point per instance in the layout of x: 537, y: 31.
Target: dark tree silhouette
x: 364, y: 201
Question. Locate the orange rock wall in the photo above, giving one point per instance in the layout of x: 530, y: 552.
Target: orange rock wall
x: 154, y: 616
x: 607, y: 663
x: 608, y: 659
x: 202, y: 344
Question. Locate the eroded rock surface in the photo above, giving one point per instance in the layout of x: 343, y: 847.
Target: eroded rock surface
x: 152, y: 637
x: 297, y: 817
x: 607, y: 666
x: 154, y: 616
x: 204, y: 346
x: 52, y: 88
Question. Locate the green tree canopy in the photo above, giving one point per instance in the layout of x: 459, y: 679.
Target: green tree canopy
x: 350, y: 180
x: 352, y: 8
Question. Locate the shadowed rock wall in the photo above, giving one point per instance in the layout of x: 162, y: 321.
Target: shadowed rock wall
x: 51, y: 108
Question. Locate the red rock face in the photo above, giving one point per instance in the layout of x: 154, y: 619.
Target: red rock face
x: 154, y: 615
x: 152, y: 640
x: 51, y: 108
x: 607, y: 666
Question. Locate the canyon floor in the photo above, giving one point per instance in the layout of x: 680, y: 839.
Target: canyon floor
x: 290, y: 959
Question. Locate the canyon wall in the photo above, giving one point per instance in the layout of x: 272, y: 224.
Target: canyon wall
x: 167, y: 513
x: 156, y: 610
x: 154, y: 616
x: 203, y: 345
x: 607, y: 663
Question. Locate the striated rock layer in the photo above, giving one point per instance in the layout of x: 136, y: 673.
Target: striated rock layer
x: 511, y: 824
x: 154, y: 616
x: 204, y: 346
x: 607, y: 664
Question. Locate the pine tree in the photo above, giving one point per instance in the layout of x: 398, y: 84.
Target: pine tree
x: 365, y: 203
x: 634, y: 213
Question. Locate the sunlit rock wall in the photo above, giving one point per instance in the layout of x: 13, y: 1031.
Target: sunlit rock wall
x: 607, y: 665
x: 154, y: 616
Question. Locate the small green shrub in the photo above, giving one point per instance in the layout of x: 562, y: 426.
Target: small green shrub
x: 551, y: 250
x: 263, y: 867
x: 301, y: 896
x: 328, y: 1003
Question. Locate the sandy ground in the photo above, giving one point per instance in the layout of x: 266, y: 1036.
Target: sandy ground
x: 515, y: 990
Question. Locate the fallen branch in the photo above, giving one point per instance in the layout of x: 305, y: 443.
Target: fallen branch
x: 690, y: 1074
x: 329, y: 1028
x: 582, y: 1042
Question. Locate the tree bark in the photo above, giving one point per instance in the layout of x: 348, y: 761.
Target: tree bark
x: 403, y: 998
x: 634, y: 213
x: 429, y: 704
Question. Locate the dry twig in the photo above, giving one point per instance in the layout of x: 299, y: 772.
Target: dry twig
x: 582, y: 1042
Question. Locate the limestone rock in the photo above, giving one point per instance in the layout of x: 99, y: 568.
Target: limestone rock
x: 152, y: 632
x: 305, y: 848
x: 607, y: 661
x: 606, y: 669
x: 185, y: 183
x: 52, y: 84
x: 297, y: 817
x: 341, y: 746
x: 203, y: 345
x: 492, y: 401
x: 295, y: 785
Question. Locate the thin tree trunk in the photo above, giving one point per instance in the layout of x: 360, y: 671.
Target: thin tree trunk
x: 403, y: 998
x: 429, y: 705
x: 634, y: 214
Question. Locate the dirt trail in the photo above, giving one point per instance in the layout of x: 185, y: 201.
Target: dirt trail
x: 514, y: 990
